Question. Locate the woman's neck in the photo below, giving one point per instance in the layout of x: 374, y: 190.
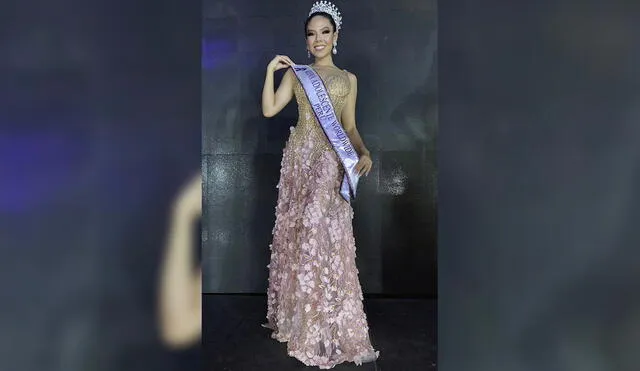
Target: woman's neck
x: 324, y: 62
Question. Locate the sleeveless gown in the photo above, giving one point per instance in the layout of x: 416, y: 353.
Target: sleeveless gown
x: 314, y: 297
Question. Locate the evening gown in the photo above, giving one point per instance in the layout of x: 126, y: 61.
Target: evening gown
x: 314, y: 297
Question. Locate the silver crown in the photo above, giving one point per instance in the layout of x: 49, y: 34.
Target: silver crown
x: 329, y: 8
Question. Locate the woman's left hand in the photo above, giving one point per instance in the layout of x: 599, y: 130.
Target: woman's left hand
x: 363, y: 167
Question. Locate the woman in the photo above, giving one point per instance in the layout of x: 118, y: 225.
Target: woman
x: 314, y: 294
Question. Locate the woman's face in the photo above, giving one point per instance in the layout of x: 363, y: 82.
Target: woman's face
x: 320, y: 36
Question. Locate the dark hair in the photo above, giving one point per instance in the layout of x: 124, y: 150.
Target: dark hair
x: 323, y: 14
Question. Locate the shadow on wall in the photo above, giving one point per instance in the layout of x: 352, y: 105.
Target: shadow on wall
x: 271, y: 135
x: 412, y: 184
x: 254, y: 159
x: 414, y: 211
x: 416, y: 118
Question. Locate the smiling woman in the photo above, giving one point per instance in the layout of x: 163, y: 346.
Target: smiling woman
x: 321, y: 30
x: 314, y: 299
x: 351, y: 159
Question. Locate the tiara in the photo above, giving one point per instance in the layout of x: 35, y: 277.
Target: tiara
x: 327, y: 7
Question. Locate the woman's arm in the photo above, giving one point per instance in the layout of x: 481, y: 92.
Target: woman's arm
x: 363, y: 167
x: 349, y: 118
x: 180, y: 296
x: 273, y: 103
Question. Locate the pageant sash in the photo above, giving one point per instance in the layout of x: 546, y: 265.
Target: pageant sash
x: 323, y: 108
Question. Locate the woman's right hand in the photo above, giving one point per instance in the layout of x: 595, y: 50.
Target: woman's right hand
x: 279, y: 62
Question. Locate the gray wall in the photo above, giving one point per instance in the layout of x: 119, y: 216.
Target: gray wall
x: 539, y: 186
x: 95, y: 140
x: 391, y: 47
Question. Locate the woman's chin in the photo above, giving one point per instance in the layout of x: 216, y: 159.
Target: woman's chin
x: 319, y: 55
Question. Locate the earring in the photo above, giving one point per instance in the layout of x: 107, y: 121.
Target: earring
x: 308, y: 54
x: 335, y: 49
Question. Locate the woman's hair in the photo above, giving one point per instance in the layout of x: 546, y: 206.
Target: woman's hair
x: 323, y: 14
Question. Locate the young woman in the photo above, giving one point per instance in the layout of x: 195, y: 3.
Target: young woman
x: 314, y: 294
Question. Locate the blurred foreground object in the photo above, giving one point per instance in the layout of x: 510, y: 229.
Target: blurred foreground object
x: 180, y: 311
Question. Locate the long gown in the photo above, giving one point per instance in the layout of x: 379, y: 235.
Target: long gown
x: 314, y: 295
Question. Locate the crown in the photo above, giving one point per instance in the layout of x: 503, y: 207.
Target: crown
x: 329, y: 8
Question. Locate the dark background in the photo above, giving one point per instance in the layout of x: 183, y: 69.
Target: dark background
x: 100, y: 126
x: 391, y: 47
x: 539, y: 177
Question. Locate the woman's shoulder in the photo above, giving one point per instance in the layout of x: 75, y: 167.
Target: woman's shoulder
x: 352, y: 76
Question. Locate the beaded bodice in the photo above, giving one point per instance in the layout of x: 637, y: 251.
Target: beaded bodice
x: 338, y: 86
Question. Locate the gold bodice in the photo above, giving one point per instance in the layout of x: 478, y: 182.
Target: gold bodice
x: 338, y: 86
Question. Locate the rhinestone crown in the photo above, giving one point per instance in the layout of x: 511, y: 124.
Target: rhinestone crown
x: 329, y: 8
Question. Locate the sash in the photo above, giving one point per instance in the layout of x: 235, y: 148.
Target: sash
x: 323, y: 108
